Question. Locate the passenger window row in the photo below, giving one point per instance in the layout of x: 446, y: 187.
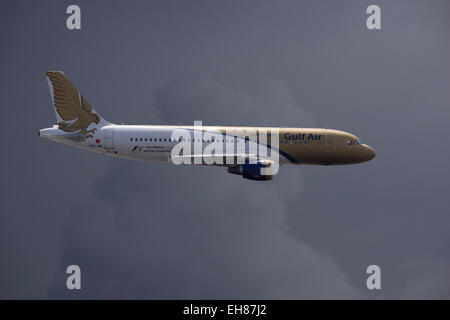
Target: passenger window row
x: 199, y: 140
x: 172, y: 140
x: 152, y: 139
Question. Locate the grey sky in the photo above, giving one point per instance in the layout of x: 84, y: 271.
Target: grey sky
x: 142, y: 230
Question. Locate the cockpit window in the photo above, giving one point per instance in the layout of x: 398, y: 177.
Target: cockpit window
x: 353, y: 142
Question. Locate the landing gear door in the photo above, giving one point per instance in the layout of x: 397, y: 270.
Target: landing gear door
x: 330, y: 143
x: 109, y: 139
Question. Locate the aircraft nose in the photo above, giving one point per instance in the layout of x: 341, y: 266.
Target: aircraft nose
x: 369, y: 153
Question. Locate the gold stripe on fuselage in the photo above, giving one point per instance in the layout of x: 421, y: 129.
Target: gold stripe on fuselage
x: 306, y: 145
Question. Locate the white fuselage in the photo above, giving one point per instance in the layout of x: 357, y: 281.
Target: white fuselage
x: 144, y: 143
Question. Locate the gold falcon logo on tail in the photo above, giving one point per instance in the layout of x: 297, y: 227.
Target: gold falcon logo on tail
x: 71, y: 106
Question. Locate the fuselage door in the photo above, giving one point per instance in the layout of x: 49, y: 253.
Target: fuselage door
x: 330, y: 143
x: 109, y: 138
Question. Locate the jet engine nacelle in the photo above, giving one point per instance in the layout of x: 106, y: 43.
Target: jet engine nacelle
x: 251, y: 171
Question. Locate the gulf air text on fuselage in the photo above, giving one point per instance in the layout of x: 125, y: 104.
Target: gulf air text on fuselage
x: 302, y: 136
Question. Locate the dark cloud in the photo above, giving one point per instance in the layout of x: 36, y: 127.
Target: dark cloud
x: 191, y: 240
x: 142, y: 230
x: 265, y: 101
x: 219, y: 237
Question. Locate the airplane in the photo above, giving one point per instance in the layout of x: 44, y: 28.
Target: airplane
x: 254, y: 153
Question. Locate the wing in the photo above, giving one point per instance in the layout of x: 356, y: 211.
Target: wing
x: 249, y: 166
x: 237, y: 158
x: 65, y: 96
